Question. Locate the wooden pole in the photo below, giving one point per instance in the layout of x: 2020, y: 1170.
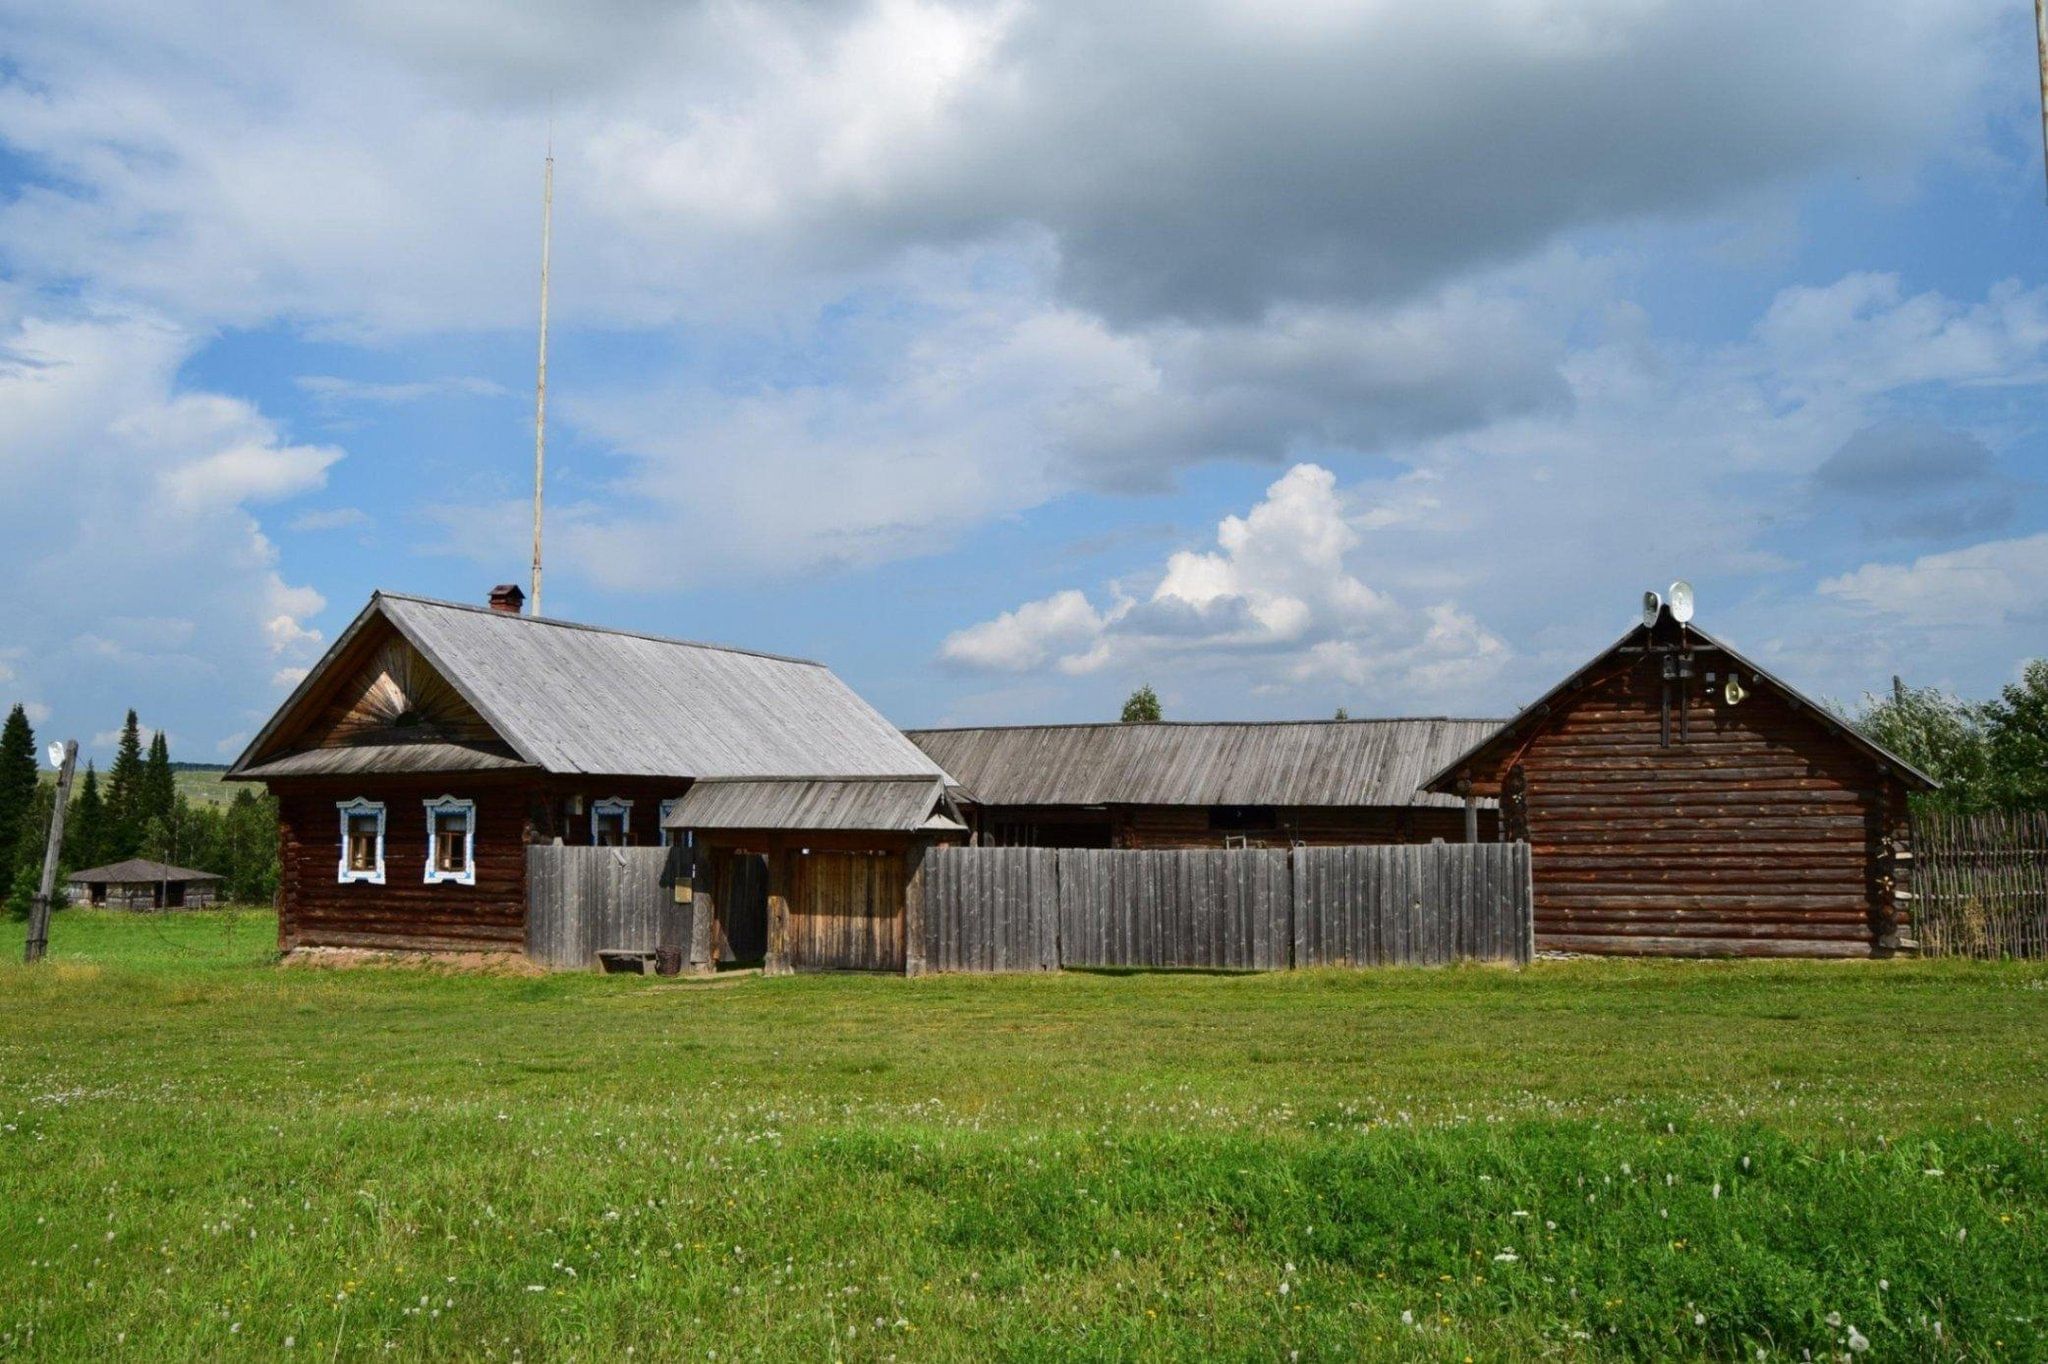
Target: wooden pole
x: 39, y: 912
x: 540, y: 388
x: 2041, y: 43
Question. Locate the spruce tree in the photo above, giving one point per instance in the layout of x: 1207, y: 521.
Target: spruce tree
x: 159, y: 786
x: 124, y: 794
x: 17, y: 786
x: 85, y: 829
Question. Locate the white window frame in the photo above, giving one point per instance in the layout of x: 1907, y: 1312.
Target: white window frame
x: 451, y: 805
x: 613, y: 805
x: 668, y: 807
x: 348, y: 809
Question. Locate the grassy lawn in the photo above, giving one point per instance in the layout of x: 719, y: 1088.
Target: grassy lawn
x: 206, y: 1156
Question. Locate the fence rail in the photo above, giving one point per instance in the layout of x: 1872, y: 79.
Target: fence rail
x: 1034, y: 909
x: 1980, y: 884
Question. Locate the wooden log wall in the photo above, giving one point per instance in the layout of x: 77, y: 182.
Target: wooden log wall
x: 1759, y: 832
x: 316, y: 909
x: 995, y: 909
x: 1980, y: 884
x: 1187, y: 826
x: 583, y: 901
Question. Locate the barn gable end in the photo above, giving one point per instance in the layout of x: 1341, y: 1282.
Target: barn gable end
x: 1667, y: 819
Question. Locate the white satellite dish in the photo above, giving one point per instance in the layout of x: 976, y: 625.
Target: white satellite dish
x: 1681, y: 601
x: 1652, y: 604
x: 56, y: 756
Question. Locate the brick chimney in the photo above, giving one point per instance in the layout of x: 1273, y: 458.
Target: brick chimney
x: 508, y: 598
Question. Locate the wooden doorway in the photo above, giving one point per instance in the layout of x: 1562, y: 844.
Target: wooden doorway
x: 846, y: 912
x: 740, y: 893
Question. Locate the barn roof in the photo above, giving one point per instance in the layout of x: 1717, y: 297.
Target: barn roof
x: 136, y: 870
x: 570, y: 698
x: 869, y: 805
x: 1445, y: 778
x: 1295, y: 762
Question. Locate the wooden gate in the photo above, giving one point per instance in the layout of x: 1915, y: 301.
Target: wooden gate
x: 847, y: 912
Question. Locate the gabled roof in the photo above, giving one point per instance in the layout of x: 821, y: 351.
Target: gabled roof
x: 1294, y: 762
x: 137, y: 870
x: 576, y: 699
x: 881, y: 804
x: 1445, y: 778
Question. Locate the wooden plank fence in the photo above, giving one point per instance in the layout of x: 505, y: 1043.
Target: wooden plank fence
x: 997, y: 909
x: 1980, y: 884
x: 581, y: 901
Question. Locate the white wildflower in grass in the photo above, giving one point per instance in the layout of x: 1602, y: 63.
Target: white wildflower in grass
x: 1717, y: 1189
x: 1858, y: 1342
x: 1699, y: 1318
x: 1507, y: 1256
x: 291, y: 1342
x: 1833, y: 1318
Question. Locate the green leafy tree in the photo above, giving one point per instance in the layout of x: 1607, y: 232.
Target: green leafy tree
x: 85, y: 828
x: 124, y: 794
x: 17, y: 785
x: 1142, y: 707
x: 248, y: 856
x: 1939, y: 733
x: 2016, y: 732
x: 1342, y: 714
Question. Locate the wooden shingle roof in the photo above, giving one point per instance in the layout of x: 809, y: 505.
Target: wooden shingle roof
x: 577, y: 699
x: 136, y: 871
x: 1298, y: 763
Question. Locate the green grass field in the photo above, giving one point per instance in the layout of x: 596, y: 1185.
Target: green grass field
x: 207, y: 1156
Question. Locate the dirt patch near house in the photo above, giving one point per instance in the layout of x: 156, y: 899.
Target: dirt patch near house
x: 440, y: 963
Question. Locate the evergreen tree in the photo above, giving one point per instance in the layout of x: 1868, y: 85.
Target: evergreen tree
x: 85, y: 829
x: 17, y: 786
x: 159, y: 785
x: 124, y: 794
x: 28, y: 870
x: 1142, y: 707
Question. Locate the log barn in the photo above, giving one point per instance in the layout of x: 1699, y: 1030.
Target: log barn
x: 138, y: 883
x: 1180, y: 785
x: 1681, y: 800
x: 436, y: 742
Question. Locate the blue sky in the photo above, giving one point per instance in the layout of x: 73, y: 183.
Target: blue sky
x: 1007, y: 355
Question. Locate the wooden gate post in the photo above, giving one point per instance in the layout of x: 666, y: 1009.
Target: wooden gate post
x: 913, y: 909
x: 777, y: 962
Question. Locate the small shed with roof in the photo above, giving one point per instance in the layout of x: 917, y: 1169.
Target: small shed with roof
x: 1193, y: 785
x: 436, y: 742
x: 139, y: 883
x: 1681, y: 799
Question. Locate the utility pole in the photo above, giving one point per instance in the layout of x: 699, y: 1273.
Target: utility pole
x: 66, y: 757
x: 540, y: 388
x: 2041, y: 44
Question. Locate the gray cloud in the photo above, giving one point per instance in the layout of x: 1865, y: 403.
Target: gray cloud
x: 1916, y: 480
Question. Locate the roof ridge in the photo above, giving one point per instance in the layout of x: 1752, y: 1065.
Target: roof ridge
x: 445, y: 604
x: 1212, y: 724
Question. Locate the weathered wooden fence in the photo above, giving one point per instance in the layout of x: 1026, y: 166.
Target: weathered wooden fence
x: 1416, y: 904
x: 581, y: 901
x: 995, y: 911
x: 1980, y: 884
x: 1031, y: 909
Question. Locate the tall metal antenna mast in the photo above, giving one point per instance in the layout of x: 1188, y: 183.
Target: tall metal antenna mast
x: 540, y: 388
